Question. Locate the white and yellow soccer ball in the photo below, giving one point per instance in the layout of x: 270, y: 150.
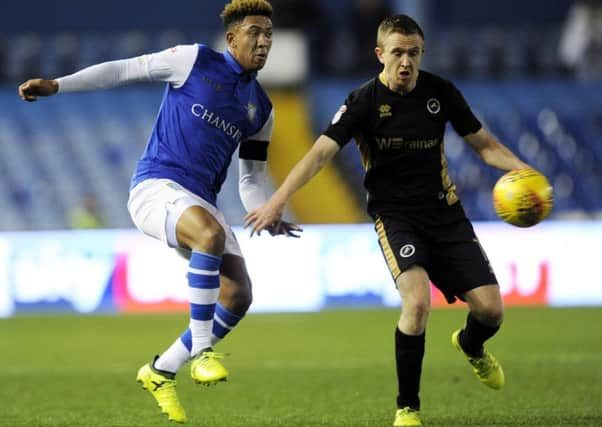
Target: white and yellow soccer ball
x: 523, y: 197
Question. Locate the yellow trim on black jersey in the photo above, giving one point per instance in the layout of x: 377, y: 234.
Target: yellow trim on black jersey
x: 364, y: 150
x: 446, y: 182
x: 386, y: 247
x: 399, y: 138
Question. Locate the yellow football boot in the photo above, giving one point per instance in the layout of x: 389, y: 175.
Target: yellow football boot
x: 487, y: 369
x: 407, y: 417
x: 206, y: 369
x: 163, y: 389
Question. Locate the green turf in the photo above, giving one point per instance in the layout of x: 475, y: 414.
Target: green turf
x: 332, y: 368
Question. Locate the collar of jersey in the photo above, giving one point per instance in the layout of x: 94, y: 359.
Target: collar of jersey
x: 236, y: 67
x: 383, y: 81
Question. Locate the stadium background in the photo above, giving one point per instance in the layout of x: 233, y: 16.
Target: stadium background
x: 510, y: 66
x: 532, y: 76
x: 532, y: 72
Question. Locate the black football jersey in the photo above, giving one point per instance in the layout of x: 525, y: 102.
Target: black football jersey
x: 400, y: 139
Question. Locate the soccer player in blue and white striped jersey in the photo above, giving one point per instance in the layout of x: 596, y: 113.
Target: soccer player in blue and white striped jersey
x: 212, y: 105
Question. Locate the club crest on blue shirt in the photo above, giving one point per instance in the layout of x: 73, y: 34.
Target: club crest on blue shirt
x: 251, y: 111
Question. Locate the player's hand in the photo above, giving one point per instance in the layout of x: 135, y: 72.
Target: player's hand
x: 267, y: 217
x: 31, y: 89
x: 285, y: 228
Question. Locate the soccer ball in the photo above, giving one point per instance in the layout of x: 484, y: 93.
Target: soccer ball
x: 522, y: 197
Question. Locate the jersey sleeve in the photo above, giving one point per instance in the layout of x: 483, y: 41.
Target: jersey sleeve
x: 346, y: 121
x: 252, y: 183
x: 171, y: 65
x: 461, y: 116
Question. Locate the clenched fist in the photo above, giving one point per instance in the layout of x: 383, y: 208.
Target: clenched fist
x: 31, y: 89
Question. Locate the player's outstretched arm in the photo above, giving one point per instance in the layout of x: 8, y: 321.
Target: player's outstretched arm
x: 171, y: 65
x: 100, y: 76
x: 270, y: 213
x: 493, y: 152
x: 31, y: 89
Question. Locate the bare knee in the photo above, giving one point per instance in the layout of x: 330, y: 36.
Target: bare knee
x: 414, y: 289
x: 486, y: 304
x: 490, y: 313
x: 211, y: 238
x: 199, y: 231
x: 414, y: 316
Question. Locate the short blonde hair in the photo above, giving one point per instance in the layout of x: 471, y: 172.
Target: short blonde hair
x: 235, y: 11
x: 402, y: 24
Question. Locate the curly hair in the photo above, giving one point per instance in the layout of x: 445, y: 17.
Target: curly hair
x: 235, y: 11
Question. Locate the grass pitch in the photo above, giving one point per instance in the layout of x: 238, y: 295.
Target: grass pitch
x: 333, y: 368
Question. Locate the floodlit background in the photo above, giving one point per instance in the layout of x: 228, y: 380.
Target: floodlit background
x: 530, y: 70
x: 305, y: 356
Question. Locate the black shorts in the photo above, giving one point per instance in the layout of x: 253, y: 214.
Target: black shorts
x: 442, y: 241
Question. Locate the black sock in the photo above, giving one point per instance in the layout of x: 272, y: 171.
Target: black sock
x: 409, y: 351
x: 474, y: 335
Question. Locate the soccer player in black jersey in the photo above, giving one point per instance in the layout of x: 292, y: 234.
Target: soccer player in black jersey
x: 398, y: 121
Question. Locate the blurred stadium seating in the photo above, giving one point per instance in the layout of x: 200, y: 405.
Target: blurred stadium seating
x: 54, y: 153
